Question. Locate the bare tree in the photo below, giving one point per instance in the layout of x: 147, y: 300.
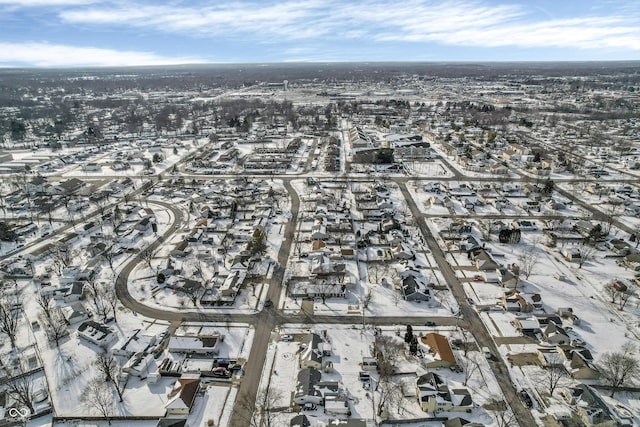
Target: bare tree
x: 97, y: 295
x: 367, y: 299
x: 469, y: 366
x: 147, y: 255
x: 261, y: 412
x: 529, y: 260
x: 586, y: 253
x: 107, y: 365
x: 62, y: 257
x: 101, y: 204
x: 636, y: 234
x: 20, y: 388
x: 110, y: 246
x: 552, y: 374
x: 98, y: 397
x: 55, y: 324
x: 619, y: 293
x: 226, y: 243
x: 388, y: 393
x: 45, y: 302
x: 10, y: 312
x: 387, y: 349
x: 376, y: 271
x: 117, y: 218
x: 484, y: 225
x: 608, y: 217
x: 619, y: 367
x: 112, y: 299
x: 325, y: 289
x: 266, y: 402
x: 502, y: 413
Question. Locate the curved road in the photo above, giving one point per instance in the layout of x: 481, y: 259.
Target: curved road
x: 269, y: 318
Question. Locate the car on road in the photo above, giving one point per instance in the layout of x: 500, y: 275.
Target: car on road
x: 526, y: 399
x: 430, y: 323
x: 268, y: 303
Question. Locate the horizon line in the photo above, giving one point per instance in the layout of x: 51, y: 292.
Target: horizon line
x: 363, y: 62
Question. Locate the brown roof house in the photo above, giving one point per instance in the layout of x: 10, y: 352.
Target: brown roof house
x: 441, y: 349
x: 183, y: 396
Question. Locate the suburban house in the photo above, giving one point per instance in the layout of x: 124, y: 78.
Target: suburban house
x: 579, y: 362
x: 592, y: 410
x: 200, y: 344
x: 513, y: 300
x: 66, y: 188
x: 307, y: 387
x: 435, y: 395
x: 415, y: 288
x: 571, y: 254
x: 631, y: 261
x: 138, y: 364
x: 299, y: 421
x: 314, y: 350
x: 484, y: 261
x: 96, y: 333
x: 183, y: 396
x: 555, y: 334
x: 549, y: 357
x: 75, y: 313
x: 440, y: 348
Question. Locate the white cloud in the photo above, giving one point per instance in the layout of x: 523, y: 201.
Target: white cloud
x: 582, y: 33
x: 33, y: 3
x: 454, y: 22
x: 52, y: 55
x: 287, y: 19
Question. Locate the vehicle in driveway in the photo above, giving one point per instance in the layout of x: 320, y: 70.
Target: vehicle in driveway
x: 220, y: 372
x: 286, y: 338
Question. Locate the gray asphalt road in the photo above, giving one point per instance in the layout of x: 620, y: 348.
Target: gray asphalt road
x: 474, y: 323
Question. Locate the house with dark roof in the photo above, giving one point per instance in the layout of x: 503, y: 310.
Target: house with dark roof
x: 183, y: 396
x: 66, y: 188
x: 414, y: 288
x: 579, y: 362
x: 307, y: 390
x: 592, y: 410
x: 299, y: 421
x: 96, y: 333
x: 555, y: 334
x: 460, y: 422
x: 435, y: 395
x: 311, y: 356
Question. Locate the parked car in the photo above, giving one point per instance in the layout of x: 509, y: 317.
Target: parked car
x: 220, y: 372
x: 430, y: 323
x: 286, y: 338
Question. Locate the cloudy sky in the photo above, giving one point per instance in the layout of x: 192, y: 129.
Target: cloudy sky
x: 62, y: 33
